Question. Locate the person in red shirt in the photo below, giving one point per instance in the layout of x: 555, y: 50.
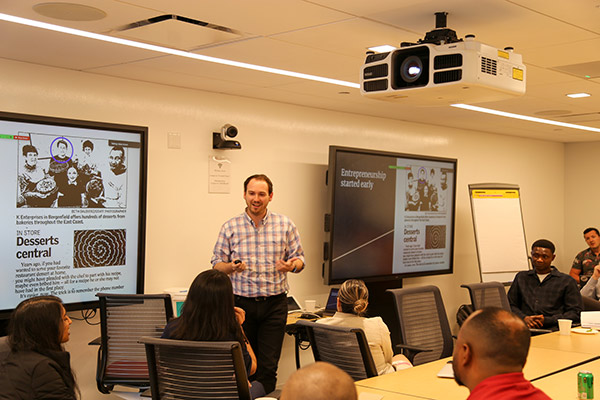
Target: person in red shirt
x: 489, y: 356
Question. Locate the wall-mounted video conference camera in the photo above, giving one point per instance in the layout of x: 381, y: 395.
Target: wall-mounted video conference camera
x: 222, y: 140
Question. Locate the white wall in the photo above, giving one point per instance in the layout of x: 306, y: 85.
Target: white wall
x: 290, y: 144
x: 582, y: 195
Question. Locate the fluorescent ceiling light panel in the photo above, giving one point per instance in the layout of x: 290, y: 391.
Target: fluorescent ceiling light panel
x: 382, y: 49
x: 578, y: 95
x: 525, y: 117
x: 166, y: 50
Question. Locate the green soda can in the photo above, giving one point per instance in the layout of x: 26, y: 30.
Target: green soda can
x: 585, y: 385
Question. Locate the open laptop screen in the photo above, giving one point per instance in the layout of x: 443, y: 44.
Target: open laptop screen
x: 293, y: 304
x: 332, y: 300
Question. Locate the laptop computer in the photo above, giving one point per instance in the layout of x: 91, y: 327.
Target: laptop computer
x: 331, y: 305
x: 293, y: 305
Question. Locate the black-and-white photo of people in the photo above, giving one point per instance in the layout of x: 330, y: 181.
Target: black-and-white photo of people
x: 86, y: 163
x: 36, y: 188
x: 413, y: 199
x: 114, y: 179
x: 60, y: 163
x: 72, y: 192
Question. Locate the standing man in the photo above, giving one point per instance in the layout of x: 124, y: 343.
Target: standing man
x: 489, y: 356
x: 544, y: 295
x: 257, y: 249
x: 586, y: 260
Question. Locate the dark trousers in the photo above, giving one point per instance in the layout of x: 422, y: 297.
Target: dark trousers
x: 265, y: 327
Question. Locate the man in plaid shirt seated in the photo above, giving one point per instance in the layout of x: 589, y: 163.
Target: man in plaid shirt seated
x: 544, y: 295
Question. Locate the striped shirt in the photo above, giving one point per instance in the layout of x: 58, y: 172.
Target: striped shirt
x: 259, y: 248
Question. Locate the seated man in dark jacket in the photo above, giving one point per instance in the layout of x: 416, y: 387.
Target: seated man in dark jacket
x: 544, y: 295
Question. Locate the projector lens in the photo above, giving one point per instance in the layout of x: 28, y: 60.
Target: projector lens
x: 411, y: 69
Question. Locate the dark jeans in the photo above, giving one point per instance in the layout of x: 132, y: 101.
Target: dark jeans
x: 265, y: 327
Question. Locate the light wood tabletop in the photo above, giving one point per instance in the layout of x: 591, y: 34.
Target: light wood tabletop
x: 577, y: 342
x: 422, y: 380
x: 365, y: 393
x: 563, y: 385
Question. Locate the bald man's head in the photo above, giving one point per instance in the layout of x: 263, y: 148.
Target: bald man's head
x: 319, y: 381
x: 498, y: 335
x: 491, y: 341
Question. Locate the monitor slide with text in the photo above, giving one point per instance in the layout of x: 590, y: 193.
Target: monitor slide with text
x: 392, y: 214
x: 72, y: 207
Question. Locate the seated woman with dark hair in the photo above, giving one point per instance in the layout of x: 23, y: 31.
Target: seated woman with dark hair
x: 352, y: 302
x: 37, y: 366
x: 209, y: 314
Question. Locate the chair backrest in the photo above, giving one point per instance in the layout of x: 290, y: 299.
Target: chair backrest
x: 487, y: 294
x: 590, y: 304
x: 182, y: 369
x: 124, y: 318
x: 423, y: 322
x: 346, y: 348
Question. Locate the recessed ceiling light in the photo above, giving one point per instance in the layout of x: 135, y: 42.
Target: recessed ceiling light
x: 524, y: 117
x: 382, y: 49
x: 578, y: 95
x: 174, y: 52
x: 69, y: 11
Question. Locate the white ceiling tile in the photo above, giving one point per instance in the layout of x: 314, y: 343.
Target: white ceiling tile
x: 328, y: 38
x: 288, y: 56
x: 57, y: 49
x: 256, y: 17
x: 350, y: 37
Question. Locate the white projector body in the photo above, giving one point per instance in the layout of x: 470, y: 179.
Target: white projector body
x: 428, y: 74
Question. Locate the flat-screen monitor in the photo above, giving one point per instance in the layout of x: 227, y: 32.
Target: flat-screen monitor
x: 391, y: 215
x: 73, y: 206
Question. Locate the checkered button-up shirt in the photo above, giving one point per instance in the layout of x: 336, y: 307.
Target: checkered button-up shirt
x: 276, y: 238
x: 557, y: 296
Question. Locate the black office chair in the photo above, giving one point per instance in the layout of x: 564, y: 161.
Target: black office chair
x: 346, y: 348
x: 182, y: 369
x: 487, y: 294
x: 424, y: 330
x: 590, y: 304
x: 124, y: 318
x: 493, y: 294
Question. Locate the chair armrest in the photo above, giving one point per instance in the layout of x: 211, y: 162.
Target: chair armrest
x: 410, y: 351
x: 96, y: 342
x: 416, y: 349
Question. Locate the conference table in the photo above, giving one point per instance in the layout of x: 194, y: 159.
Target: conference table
x: 563, y: 385
x: 551, y: 356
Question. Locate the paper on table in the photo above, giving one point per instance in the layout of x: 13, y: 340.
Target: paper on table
x: 446, y: 371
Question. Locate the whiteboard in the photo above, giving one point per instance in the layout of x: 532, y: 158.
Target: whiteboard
x: 499, y: 231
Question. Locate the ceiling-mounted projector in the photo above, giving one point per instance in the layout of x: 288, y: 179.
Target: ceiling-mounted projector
x: 443, y: 69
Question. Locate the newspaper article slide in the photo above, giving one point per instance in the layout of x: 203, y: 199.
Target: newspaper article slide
x: 391, y: 215
x: 70, y: 205
x: 423, y: 218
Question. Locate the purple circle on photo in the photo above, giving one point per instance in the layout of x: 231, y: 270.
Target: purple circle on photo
x: 52, y: 145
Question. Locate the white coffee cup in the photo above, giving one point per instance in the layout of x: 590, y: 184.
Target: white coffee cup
x: 310, y: 305
x: 564, y: 326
